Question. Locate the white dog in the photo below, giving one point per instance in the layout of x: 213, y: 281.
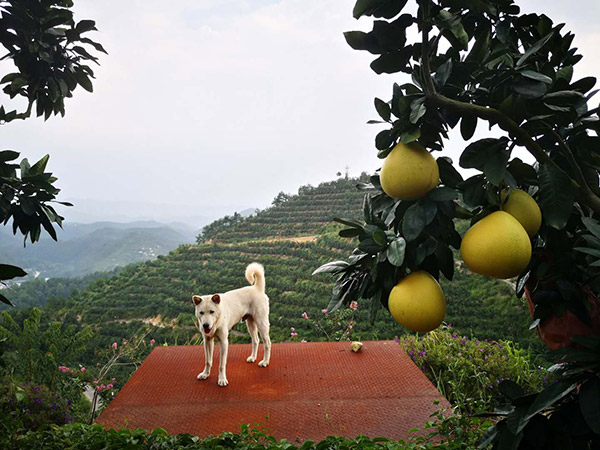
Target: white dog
x: 218, y: 313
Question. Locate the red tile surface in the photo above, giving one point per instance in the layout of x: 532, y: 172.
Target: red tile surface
x: 309, y: 391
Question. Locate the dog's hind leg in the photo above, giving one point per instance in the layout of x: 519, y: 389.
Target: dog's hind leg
x: 224, y: 345
x: 209, y: 349
x: 263, y: 328
x: 253, y: 330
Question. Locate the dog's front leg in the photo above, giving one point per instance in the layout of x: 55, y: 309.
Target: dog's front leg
x: 224, y: 346
x: 209, y: 347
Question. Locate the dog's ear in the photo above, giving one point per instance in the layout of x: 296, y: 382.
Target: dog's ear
x: 216, y: 298
x: 196, y: 299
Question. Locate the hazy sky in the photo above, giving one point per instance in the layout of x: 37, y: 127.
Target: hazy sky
x: 224, y: 103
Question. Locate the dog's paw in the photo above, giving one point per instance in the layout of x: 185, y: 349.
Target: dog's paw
x: 223, y: 382
x: 263, y: 363
x: 251, y: 359
x: 202, y: 376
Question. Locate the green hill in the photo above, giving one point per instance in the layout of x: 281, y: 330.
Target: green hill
x: 290, y: 239
x: 86, y: 248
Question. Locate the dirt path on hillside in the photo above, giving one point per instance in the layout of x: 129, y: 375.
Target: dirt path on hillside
x: 296, y: 239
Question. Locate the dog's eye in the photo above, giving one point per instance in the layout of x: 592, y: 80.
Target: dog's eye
x: 212, y: 312
x: 202, y: 313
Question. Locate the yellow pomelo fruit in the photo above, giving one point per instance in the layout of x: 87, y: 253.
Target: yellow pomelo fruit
x: 524, y: 208
x: 497, y: 246
x: 417, y: 302
x: 409, y: 172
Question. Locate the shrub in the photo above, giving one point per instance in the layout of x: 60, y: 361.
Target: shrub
x: 31, y: 406
x: 444, y: 433
x: 468, y: 371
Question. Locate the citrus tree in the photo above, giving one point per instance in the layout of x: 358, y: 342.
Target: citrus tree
x: 481, y: 64
x: 48, y: 51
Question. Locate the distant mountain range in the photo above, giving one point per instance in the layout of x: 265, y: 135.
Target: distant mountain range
x: 93, y: 247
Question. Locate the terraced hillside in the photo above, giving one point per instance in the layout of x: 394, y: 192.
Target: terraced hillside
x: 159, y: 292
x: 302, y: 214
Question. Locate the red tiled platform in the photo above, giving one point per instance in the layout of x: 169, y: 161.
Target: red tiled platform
x: 309, y: 391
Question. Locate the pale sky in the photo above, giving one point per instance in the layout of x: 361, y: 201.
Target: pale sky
x: 224, y: 103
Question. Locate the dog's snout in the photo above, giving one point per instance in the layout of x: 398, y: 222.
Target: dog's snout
x: 206, y: 326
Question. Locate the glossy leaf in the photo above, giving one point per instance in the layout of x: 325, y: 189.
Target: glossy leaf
x: 556, y: 196
x: 413, y: 222
x: 589, y: 401
x: 396, y: 251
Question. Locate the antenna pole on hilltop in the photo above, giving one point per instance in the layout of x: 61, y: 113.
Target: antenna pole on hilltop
x: 347, y: 172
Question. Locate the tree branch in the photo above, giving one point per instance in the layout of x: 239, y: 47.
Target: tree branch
x: 495, y: 116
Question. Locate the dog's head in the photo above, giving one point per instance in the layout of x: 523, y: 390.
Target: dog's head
x: 208, y: 311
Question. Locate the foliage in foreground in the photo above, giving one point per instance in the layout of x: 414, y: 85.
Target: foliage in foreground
x: 468, y: 371
x: 442, y: 433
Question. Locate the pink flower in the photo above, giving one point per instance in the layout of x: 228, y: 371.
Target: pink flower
x: 303, y: 341
x: 83, y: 369
x: 354, y: 305
x: 113, y: 380
x: 304, y: 315
x: 63, y: 369
x: 324, y: 311
x: 293, y: 335
x: 124, y: 342
x: 98, y: 388
x: 152, y: 342
x: 114, y: 345
x: 110, y: 386
x: 292, y: 328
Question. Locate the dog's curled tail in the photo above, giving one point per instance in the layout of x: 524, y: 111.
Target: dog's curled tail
x: 255, y: 274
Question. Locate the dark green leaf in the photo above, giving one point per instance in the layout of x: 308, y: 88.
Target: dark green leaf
x: 448, y: 174
x: 6, y: 301
x: 8, y: 272
x: 495, y: 165
x: 384, y: 140
x: 396, y: 251
x: 378, y: 8
x: 8, y: 155
x: 392, y: 62
x: 383, y: 109
x: 536, y: 76
x: 418, y: 110
x: 468, y: 124
x: 413, y: 222
x: 477, y: 153
x: 547, y: 397
x: 510, y: 389
x: 379, y: 237
x: 348, y: 222
x: 530, y: 89
x: 453, y: 23
x: 592, y: 225
x: 349, y: 232
x: 410, y: 136
x: 445, y: 260
x: 556, y: 196
x: 39, y: 167
x: 534, y: 49
x: 332, y: 267
x: 425, y: 248
x: 589, y: 402
x: 442, y: 194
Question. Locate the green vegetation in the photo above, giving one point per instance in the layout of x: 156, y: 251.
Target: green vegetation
x: 49, y: 58
x: 87, y: 248
x: 468, y: 371
x: 37, y: 293
x: 117, y: 307
x: 456, y: 434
